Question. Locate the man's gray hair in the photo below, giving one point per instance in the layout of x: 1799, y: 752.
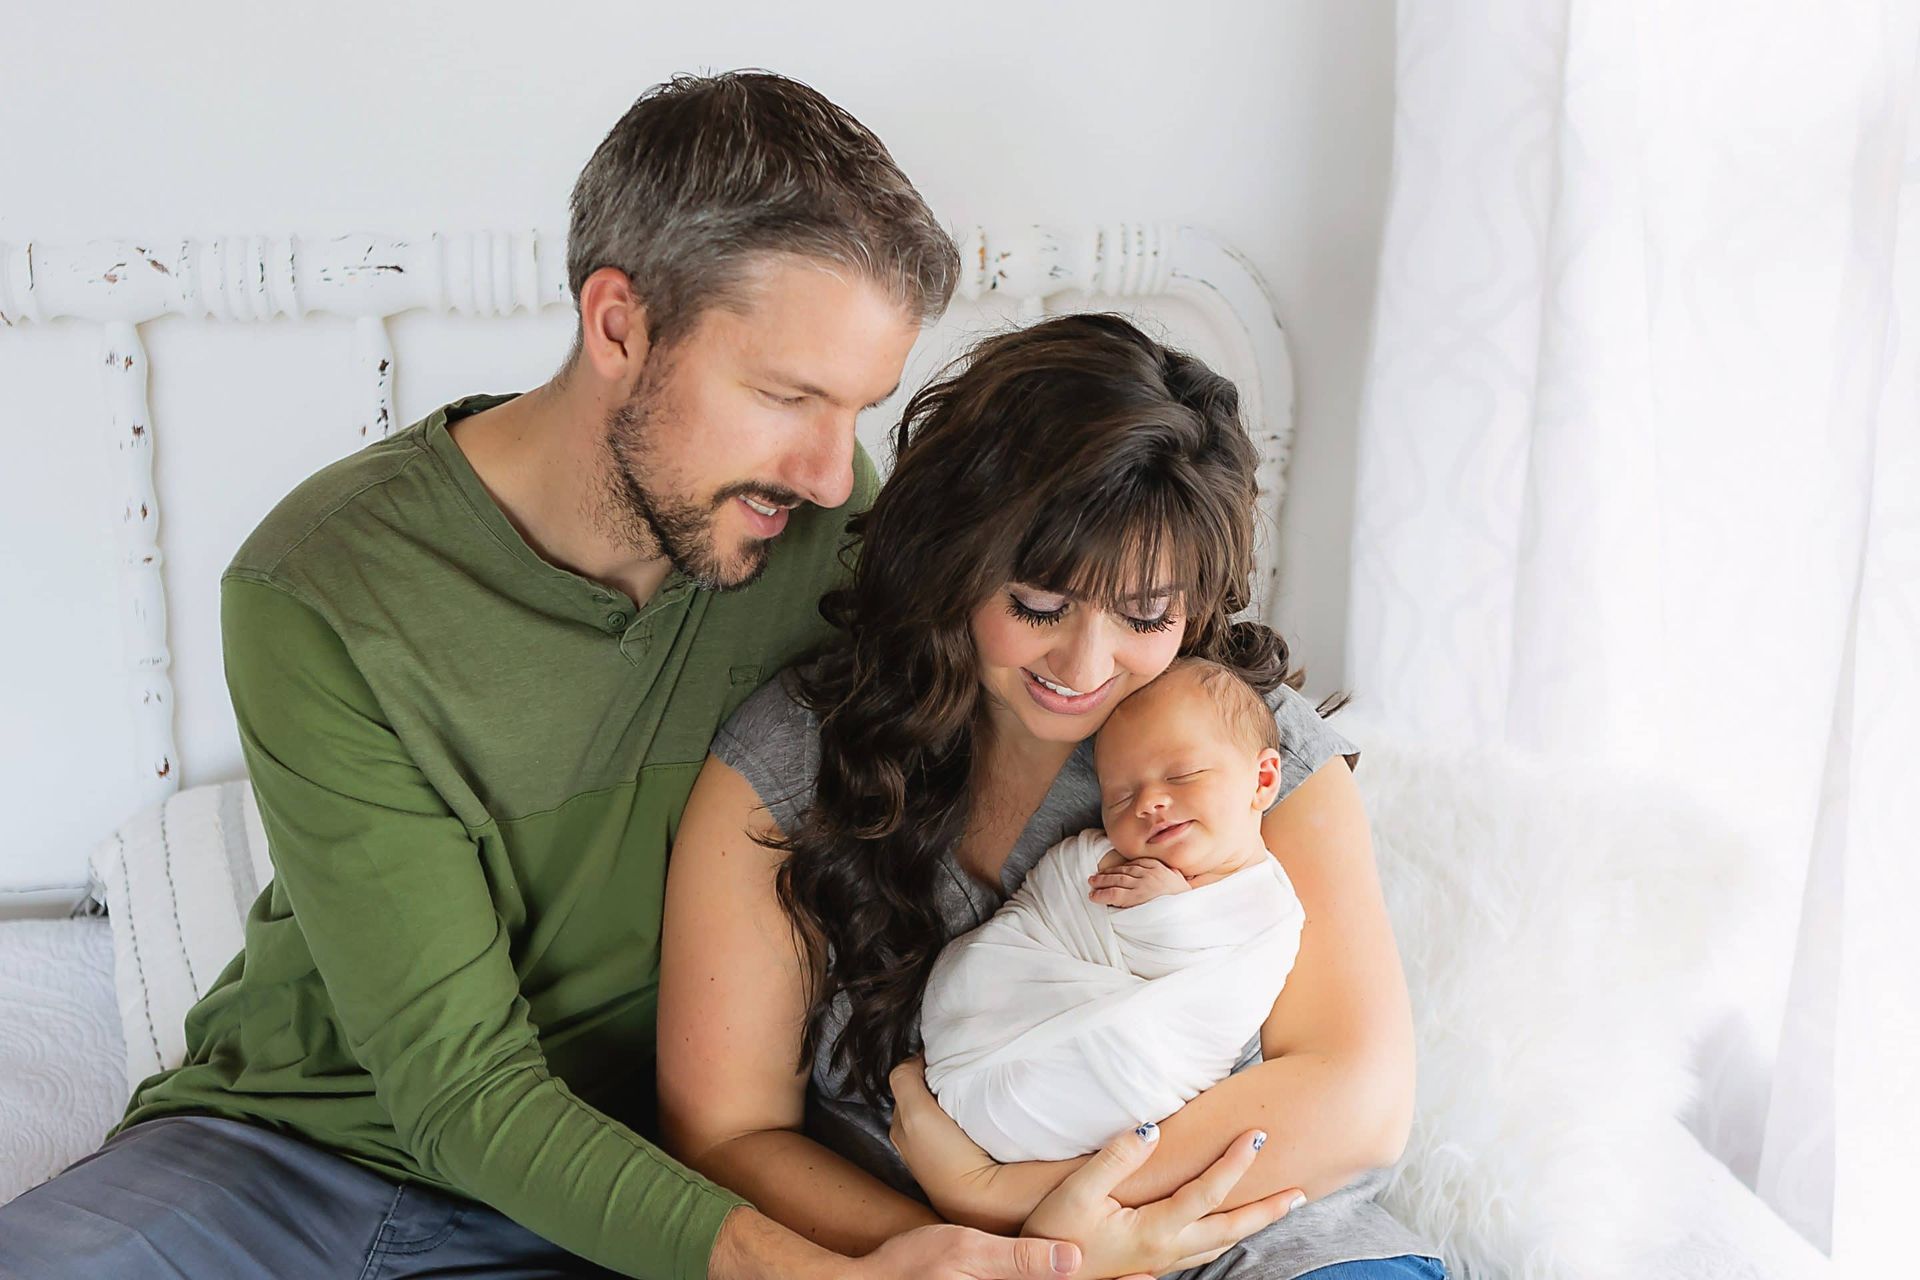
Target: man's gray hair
x: 705, y: 177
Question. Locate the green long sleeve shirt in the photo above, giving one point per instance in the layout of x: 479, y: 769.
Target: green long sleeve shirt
x: 470, y: 764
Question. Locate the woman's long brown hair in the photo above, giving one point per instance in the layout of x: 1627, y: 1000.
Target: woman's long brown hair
x: 1078, y: 456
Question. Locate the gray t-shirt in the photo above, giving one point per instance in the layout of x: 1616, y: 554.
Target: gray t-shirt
x: 773, y: 742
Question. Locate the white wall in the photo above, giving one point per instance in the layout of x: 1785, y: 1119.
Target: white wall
x: 1266, y: 123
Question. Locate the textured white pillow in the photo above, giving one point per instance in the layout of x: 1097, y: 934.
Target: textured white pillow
x: 60, y: 1058
x: 178, y: 880
x: 1558, y: 930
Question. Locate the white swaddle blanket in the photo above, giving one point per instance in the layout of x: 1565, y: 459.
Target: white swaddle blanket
x: 1061, y: 1021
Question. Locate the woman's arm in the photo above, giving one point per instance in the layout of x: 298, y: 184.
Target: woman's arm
x: 965, y: 1183
x: 732, y: 1009
x: 1335, y: 1091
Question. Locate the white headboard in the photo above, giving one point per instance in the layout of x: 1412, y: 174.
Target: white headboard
x: 370, y: 278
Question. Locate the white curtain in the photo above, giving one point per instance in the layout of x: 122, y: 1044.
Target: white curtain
x: 1639, y: 476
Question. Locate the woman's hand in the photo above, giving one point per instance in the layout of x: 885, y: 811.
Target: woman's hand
x: 1168, y: 1235
x: 963, y: 1183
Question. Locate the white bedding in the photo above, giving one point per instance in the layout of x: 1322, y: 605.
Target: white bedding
x: 62, y: 1064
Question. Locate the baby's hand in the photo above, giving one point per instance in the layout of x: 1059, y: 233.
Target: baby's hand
x: 1128, y: 884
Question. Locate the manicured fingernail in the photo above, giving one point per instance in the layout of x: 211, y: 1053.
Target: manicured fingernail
x: 1065, y: 1259
x: 1149, y: 1132
x: 1296, y: 1203
x: 1259, y: 1141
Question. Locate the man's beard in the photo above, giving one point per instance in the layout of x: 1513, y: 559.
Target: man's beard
x: 638, y: 507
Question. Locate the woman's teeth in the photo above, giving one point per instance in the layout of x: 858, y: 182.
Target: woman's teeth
x: 1060, y: 689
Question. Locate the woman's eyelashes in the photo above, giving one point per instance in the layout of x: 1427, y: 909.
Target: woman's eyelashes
x: 1029, y: 614
x: 1035, y: 616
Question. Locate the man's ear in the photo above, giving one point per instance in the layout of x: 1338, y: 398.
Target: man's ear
x: 1268, y: 776
x: 613, y: 326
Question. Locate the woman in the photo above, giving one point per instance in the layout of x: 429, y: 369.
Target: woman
x: 1068, y: 512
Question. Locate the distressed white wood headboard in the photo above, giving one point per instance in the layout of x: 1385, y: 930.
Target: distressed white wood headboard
x: 370, y: 278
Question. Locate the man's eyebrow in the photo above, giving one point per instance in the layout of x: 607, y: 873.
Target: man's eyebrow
x: 806, y: 388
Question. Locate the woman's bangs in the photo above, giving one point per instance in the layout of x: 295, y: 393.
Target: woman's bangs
x: 1122, y: 555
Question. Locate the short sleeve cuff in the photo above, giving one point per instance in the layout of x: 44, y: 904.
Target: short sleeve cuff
x: 773, y: 742
x: 1307, y: 741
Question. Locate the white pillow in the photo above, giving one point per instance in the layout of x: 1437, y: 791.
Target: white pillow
x: 1558, y: 929
x: 60, y: 1058
x: 177, y: 880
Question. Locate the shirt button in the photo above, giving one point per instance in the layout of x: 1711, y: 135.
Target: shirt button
x: 616, y: 620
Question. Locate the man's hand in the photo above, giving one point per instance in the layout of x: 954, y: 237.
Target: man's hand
x: 752, y: 1246
x: 963, y: 1183
x: 1168, y: 1235
x: 1137, y: 880
x: 961, y: 1253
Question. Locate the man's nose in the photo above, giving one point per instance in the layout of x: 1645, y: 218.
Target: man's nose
x: 823, y: 475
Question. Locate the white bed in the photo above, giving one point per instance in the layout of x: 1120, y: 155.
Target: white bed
x: 1550, y: 1177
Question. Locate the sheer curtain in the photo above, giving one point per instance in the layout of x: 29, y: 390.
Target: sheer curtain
x: 1640, y: 477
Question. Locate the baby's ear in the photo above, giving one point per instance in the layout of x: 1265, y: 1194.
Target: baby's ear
x: 1267, y: 776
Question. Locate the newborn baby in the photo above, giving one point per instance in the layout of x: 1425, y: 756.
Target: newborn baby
x: 1135, y: 964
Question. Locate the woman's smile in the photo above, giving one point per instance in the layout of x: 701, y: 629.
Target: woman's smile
x: 1060, y: 700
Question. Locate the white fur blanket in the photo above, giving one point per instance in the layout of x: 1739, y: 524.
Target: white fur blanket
x: 1062, y: 1021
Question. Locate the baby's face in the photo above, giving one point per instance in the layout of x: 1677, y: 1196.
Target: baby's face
x: 1175, y: 784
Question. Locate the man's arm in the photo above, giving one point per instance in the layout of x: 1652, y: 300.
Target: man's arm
x: 389, y: 891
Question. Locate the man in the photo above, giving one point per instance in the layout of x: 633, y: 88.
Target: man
x: 476, y: 668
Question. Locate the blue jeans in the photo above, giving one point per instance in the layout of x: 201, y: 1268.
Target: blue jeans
x: 214, y: 1199
x: 1406, y: 1267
